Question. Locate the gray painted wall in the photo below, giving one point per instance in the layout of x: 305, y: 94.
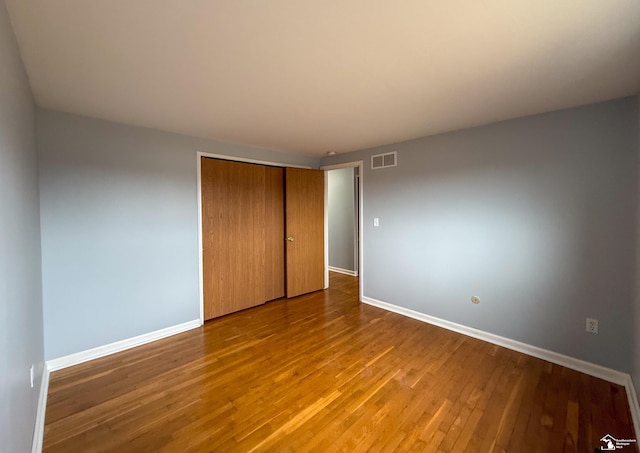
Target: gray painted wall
x: 120, y: 228
x: 20, y: 281
x: 342, y: 218
x: 536, y: 216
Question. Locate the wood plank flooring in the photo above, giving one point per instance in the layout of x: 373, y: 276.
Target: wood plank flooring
x: 324, y: 373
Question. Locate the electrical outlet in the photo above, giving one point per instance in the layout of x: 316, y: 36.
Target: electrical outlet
x: 592, y: 325
x: 31, y: 375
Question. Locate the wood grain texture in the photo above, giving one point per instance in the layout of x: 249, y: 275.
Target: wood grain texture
x: 274, y: 233
x: 324, y: 373
x: 233, y: 236
x: 304, y: 222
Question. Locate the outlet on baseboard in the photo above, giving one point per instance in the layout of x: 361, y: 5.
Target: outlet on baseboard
x: 31, y: 375
x: 592, y: 325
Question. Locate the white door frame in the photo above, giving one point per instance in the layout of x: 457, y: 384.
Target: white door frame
x: 356, y: 164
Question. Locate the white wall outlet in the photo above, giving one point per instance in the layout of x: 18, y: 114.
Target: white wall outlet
x: 475, y: 299
x: 376, y: 221
x: 592, y: 325
x: 31, y: 375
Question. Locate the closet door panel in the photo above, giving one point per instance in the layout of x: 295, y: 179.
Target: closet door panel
x: 304, y: 225
x: 233, y: 236
x: 274, y: 233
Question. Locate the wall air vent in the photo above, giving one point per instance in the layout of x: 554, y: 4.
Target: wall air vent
x: 384, y: 160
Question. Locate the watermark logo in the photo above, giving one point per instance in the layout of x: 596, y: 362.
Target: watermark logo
x: 611, y: 443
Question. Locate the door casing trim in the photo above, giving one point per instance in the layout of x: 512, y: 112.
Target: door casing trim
x: 355, y: 164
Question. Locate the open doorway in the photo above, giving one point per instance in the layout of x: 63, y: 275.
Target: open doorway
x: 343, y: 221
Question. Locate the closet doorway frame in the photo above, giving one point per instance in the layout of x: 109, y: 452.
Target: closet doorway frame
x: 199, y: 156
x: 359, y: 164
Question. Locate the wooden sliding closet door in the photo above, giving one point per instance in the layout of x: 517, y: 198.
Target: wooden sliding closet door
x: 304, y: 223
x: 233, y: 236
x: 247, y: 211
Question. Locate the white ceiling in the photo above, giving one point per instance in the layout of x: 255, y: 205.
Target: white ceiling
x: 317, y: 76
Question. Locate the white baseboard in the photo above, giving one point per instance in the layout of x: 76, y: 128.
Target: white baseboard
x: 608, y: 374
x: 38, y: 431
x: 634, y: 405
x: 112, y: 348
x: 343, y: 271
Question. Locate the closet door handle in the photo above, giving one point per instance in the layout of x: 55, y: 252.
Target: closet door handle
x: 290, y: 239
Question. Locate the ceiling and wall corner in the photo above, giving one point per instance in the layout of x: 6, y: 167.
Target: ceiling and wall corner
x: 316, y: 76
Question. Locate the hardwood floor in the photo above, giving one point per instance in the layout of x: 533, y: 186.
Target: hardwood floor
x: 324, y: 373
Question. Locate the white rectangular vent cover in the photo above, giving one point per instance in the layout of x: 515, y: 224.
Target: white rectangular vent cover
x: 383, y: 160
